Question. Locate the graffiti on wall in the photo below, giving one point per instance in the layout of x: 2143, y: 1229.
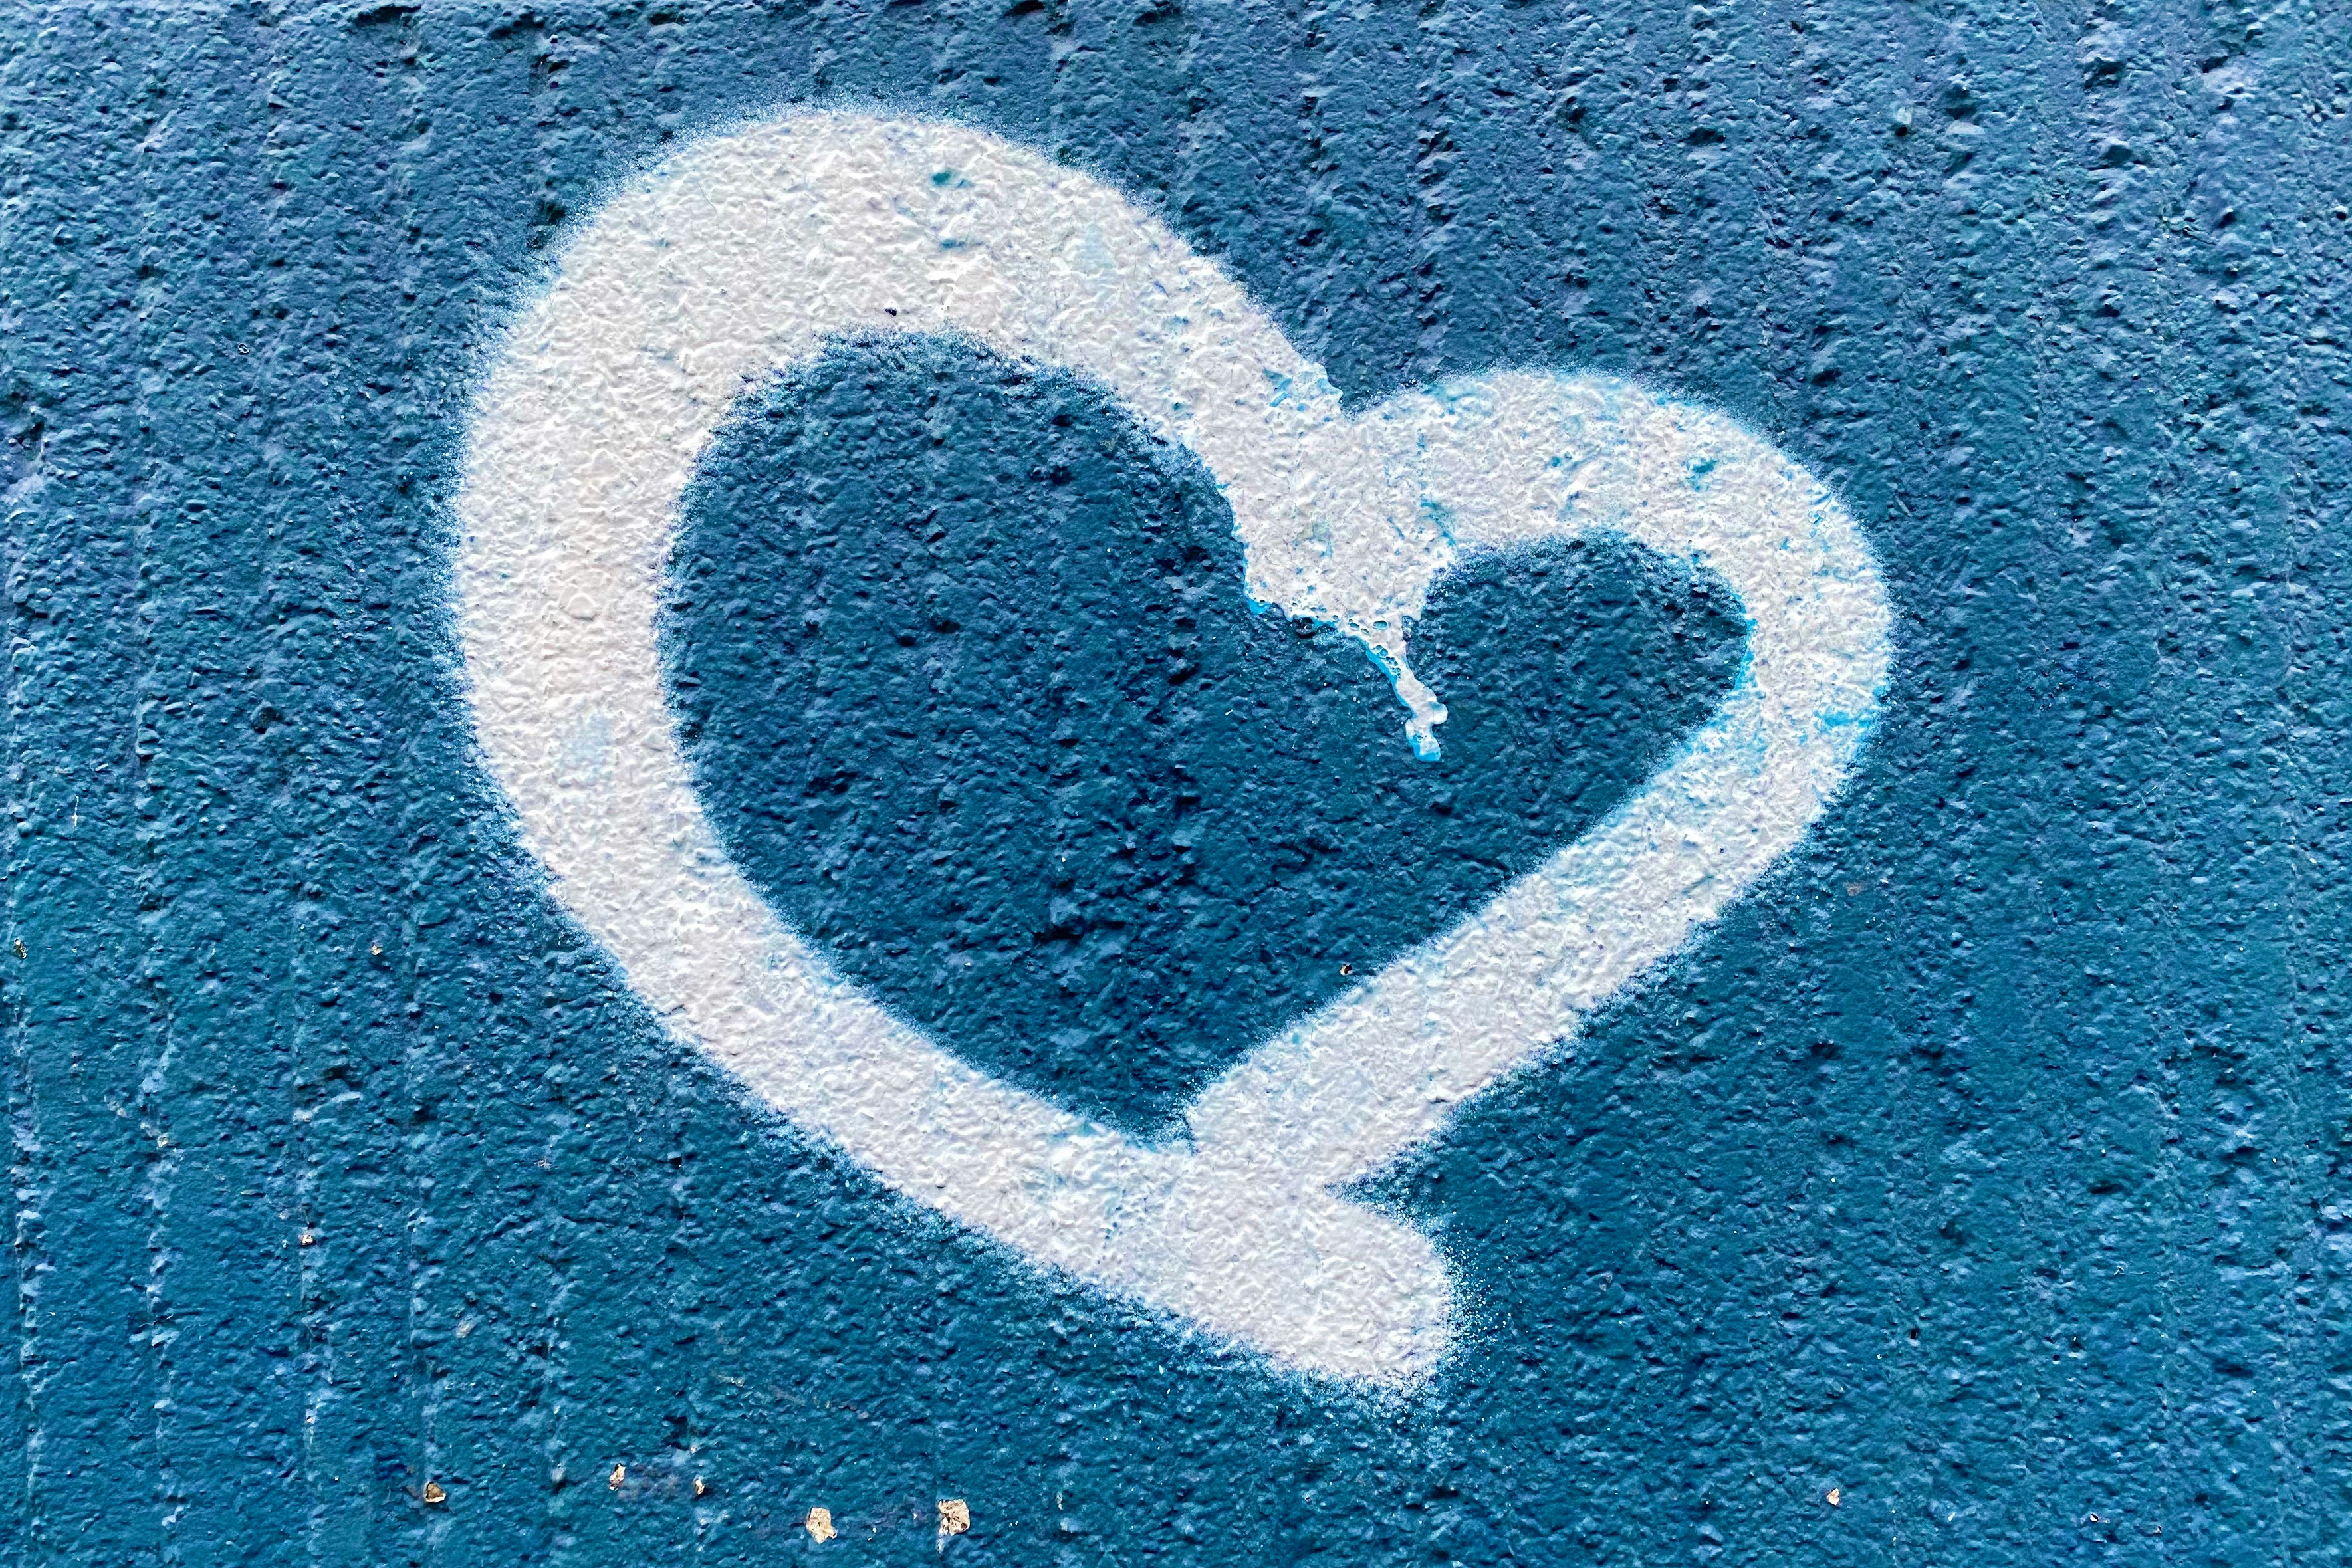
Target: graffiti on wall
x: 1204, y: 783
x: 751, y: 252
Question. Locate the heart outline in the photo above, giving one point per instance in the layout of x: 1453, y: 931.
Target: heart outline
x: 749, y: 251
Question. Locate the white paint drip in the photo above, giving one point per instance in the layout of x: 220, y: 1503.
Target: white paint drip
x: 746, y: 254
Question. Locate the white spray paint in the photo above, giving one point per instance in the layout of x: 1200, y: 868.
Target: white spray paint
x: 747, y: 253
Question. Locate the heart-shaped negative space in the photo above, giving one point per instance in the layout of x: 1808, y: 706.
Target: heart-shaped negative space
x: 973, y: 695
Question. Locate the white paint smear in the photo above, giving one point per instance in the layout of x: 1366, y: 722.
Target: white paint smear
x: 747, y: 253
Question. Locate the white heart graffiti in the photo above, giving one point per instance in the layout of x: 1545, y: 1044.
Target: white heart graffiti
x: 749, y: 251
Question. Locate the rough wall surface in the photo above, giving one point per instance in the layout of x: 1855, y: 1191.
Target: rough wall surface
x: 1972, y: 1192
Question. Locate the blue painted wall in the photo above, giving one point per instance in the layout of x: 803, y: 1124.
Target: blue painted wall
x: 1985, y: 1166
x: 971, y: 685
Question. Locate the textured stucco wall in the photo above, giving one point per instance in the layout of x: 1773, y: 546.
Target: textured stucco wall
x: 1981, y: 1171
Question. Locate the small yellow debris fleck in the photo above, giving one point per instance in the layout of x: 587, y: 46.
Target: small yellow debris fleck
x: 1834, y: 1495
x: 820, y: 1524
x: 698, y: 1488
x: 433, y: 1492
x: 954, y: 1517
x: 375, y: 949
x: 309, y: 1239
x: 620, y: 1473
